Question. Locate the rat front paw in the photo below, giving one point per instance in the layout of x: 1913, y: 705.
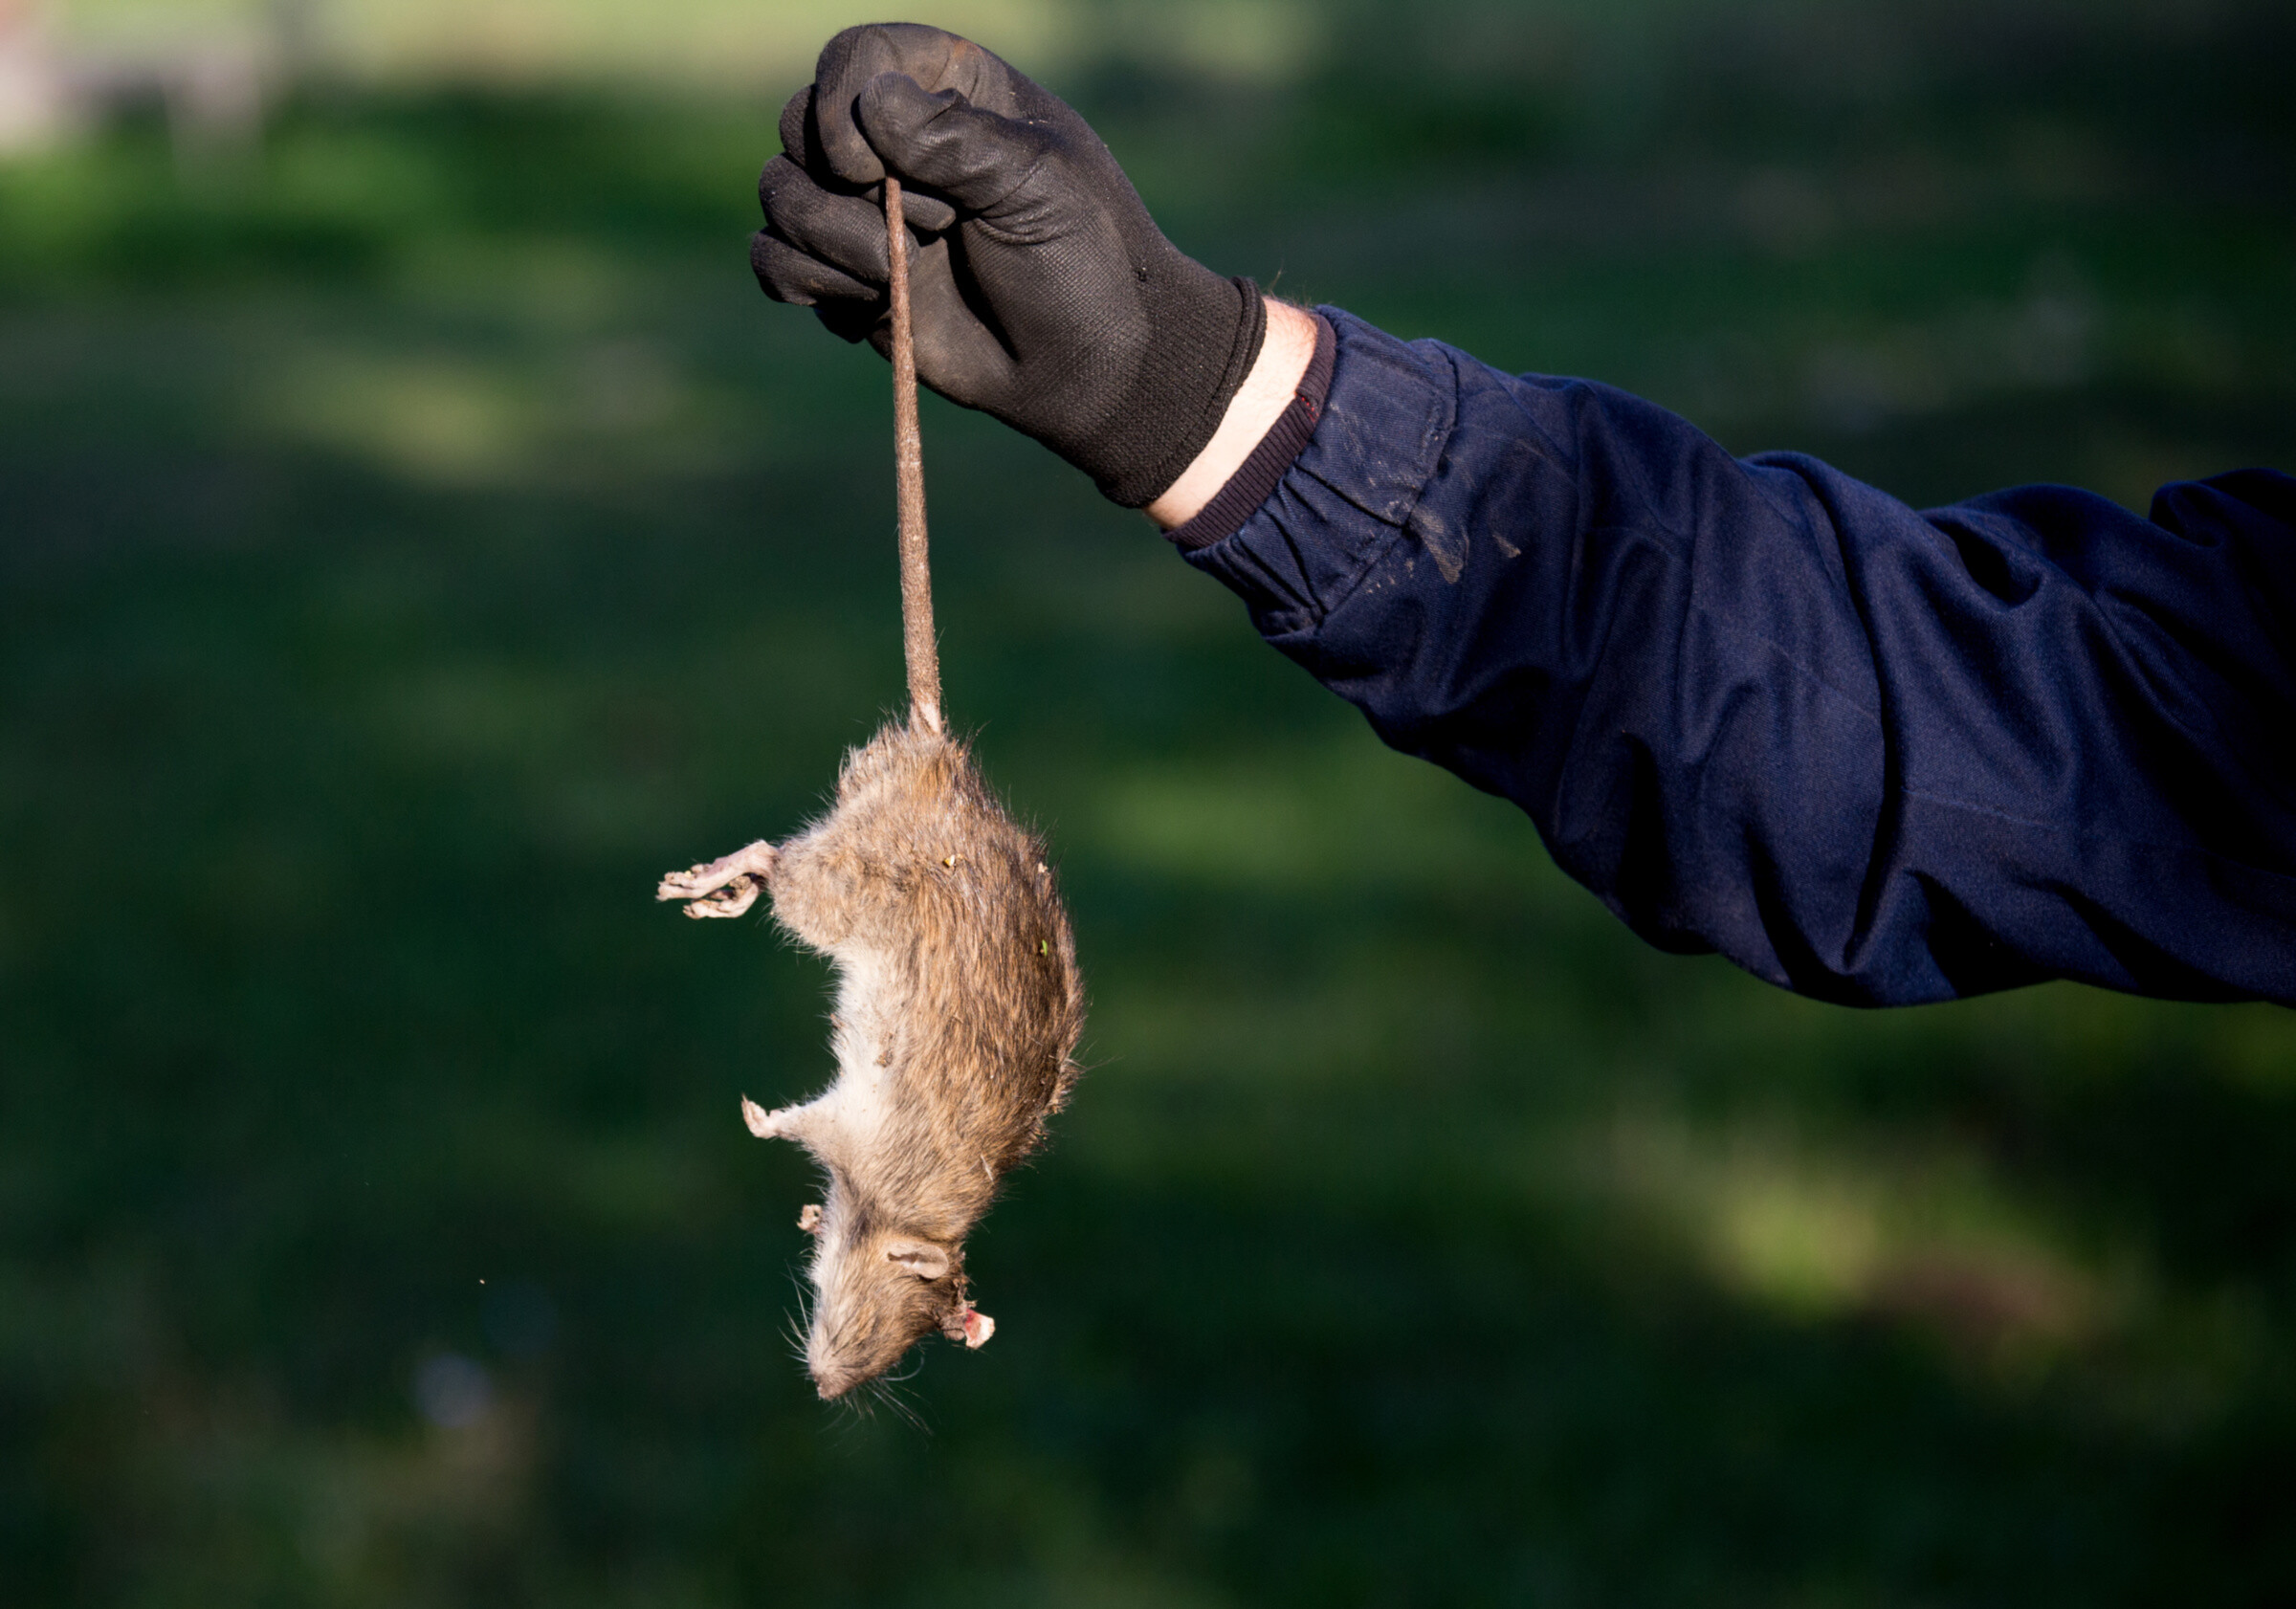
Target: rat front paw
x: 731, y: 900
x: 721, y: 888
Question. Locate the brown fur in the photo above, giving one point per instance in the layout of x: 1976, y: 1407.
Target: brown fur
x: 958, y: 1011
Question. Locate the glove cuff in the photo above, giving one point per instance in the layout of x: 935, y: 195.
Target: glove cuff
x: 1256, y: 478
x: 1200, y: 366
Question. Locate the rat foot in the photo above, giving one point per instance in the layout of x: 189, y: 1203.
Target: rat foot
x: 731, y: 900
x: 800, y: 1123
x: 721, y: 888
x: 769, y: 1125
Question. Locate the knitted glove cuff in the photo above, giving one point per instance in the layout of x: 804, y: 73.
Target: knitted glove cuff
x: 1175, y: 405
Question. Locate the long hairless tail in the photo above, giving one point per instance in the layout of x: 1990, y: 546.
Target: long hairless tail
x: 909, y: 481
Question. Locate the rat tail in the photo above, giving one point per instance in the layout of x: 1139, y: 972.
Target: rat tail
x: 909, y: 480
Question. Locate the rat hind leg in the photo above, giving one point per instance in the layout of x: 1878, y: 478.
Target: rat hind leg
x: 799, y: 1123
x: 721, y: 888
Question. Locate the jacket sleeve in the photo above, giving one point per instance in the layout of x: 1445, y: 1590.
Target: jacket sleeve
x: 1871, y: 755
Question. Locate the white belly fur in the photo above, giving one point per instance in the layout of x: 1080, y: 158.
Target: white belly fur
x: 860, y: 1103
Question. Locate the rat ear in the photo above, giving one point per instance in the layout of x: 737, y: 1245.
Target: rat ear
x: 921, y: 1258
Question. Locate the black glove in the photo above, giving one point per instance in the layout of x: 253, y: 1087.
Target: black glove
x: 1040, y: 291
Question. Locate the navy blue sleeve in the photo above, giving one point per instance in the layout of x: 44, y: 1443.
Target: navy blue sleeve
x: 1871, y: 755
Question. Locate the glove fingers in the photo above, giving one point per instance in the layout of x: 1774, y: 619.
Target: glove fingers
x: 799, y: 137
x: 971, y: 156
x: 787, y: 275
x: 847, y: 65
x: 845, y: 230
x: 926, y: 214
x: 958, y: 350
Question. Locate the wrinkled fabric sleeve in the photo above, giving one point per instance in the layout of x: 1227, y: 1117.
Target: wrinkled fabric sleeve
x: 1871, y: 755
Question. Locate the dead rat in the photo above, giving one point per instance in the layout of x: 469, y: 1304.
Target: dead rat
x: 958, y: 1006
x: 958, y: 1001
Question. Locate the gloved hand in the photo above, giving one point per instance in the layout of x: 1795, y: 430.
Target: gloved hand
x: 1040, y: 291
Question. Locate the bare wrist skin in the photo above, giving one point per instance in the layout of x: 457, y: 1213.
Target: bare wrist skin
x: 1259, y: 401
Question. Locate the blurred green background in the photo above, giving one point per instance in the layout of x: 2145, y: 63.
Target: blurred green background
x: 416, y: 534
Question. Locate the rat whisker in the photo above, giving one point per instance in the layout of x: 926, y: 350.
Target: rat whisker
x: 888, y: 1392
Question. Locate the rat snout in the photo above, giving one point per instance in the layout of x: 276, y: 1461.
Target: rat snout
x: 830, y: 1385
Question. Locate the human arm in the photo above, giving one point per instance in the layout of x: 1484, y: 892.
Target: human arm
x: 1756, y: 707
x: 1871, y: 755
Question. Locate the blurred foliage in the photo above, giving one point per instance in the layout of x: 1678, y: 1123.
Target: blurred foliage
x: 418, y: 535
x: 720, y: 43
